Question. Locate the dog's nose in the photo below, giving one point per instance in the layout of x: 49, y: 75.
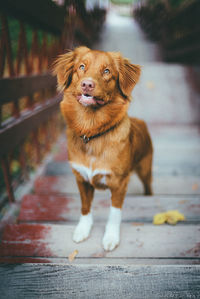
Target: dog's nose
x: 87, y: 85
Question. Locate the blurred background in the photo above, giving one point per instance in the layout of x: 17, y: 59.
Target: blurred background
x: 161, y: 35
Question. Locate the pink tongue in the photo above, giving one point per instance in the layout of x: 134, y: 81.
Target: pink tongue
x: 87, y: 100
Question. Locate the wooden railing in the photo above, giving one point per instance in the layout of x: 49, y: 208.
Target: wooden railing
x: 32, y: 34
x: 175, y: 27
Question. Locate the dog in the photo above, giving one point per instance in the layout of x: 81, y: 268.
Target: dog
x: 104, y: 144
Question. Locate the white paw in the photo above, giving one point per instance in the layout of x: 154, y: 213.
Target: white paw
x: 82, y: 230
x: 111, y: 239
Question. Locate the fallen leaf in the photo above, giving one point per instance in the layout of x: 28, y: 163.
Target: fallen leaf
x: 195, y: 187
x: 150, y: 84
x: 171, y: 217
x: 159, y: 218
x: 137, y: 223
x: 72, y: 255
x: 182, y: 201
x: 174, y: 216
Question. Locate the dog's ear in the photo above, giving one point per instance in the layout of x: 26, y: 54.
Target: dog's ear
x: 64, y: 64
x: 63, y: 69
x: 129, y: 75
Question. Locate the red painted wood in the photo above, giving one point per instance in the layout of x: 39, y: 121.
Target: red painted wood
x: 25, y: 232
x: 61, y: 151
x: 22, y: 260
x: 25, y: 240
x: 61, y: 155
x: 44, y: 208
x: 46, y: 184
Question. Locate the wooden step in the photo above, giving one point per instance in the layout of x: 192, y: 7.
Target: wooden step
x: 176, y: 164
x: 165, y: 94
x: 54, y: 208
x: 176, y: 152
x: 137, y: 241
x: 99, y: 281
x: 162, y: 185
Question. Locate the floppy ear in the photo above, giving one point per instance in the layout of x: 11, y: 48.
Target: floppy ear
x: 63, y: 68
x: 128, y: 76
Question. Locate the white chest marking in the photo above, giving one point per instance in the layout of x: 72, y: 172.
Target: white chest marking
x: 88, y: 173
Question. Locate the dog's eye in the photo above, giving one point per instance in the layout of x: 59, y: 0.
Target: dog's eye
x: 82, y: 67
x: 106, y: 71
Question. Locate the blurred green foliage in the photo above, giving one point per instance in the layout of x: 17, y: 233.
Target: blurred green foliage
x: 14, y: 30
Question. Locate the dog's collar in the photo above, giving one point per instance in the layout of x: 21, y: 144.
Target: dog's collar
x: 87, y: 139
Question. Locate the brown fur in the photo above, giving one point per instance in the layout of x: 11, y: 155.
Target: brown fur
x: 127, y: 146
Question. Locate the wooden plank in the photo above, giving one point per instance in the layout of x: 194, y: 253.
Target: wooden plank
x: 182, y: 141
x: 158, y: 100
x: 176, y: 165
x: 175, y: 135
x: 100, y: 261
x: 15, y: 88
x: 23, y: 260
x: 51, y: 208
x: 46, y: 208
x: 36, y: 13
x: 141, y: 241
x: 162, y: 185
x: 19, y: 128
x: 86, y: 281
x: 186, y: 162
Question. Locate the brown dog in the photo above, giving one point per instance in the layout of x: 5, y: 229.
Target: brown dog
x: 104, y: 144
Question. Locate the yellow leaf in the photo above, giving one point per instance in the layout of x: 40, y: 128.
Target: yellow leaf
x: 174, y: 216
x: 171, y: 217
x: 159, y: 218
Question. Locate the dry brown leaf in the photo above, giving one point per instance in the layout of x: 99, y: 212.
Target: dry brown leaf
x: 150, y: 84
x: 182, y: 201
x: 72, y: 255
x: 137, y: 223
x: 195, y: 187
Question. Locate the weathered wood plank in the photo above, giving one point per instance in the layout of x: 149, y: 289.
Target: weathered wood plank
x: 19, y: 128
x: 176, y: 165
x: 52, y: 208
x: 100, y: 261
x: 176, y: 152
x: 158, y: 100
x: 167, y: 161
x: 137, y: 241
x: 166, y: 184
x: 175, y: 135
x: 86, y: 281
x: 15, y: 88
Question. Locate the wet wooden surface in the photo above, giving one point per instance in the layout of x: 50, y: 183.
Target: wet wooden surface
x: 151, y: 261
x: 101, y: 281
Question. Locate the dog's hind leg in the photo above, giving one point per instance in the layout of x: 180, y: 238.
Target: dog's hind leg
x: 84, y: 226
x: 144, y: 171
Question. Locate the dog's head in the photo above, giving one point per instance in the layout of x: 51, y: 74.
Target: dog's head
x: 94, y: 77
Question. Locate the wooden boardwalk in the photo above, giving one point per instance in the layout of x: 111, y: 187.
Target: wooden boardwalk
x: 151, y: 261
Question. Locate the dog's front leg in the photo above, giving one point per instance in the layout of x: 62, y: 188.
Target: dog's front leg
x: 111, y: 237
x: 84, y: 226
